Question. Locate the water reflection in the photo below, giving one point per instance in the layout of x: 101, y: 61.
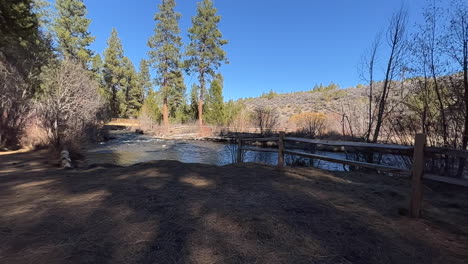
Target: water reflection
x: 128, y: 148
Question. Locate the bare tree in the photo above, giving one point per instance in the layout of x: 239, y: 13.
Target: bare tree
x: 265, y: 119
x: 15, y: 101
x: 367, y: 74
x: 71, y: 103
x: 458, y: 49
x: 430, y: 66
x: 396, y: 38
x: 457, y: 40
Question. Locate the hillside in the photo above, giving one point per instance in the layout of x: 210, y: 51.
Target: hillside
x: 329, y: 100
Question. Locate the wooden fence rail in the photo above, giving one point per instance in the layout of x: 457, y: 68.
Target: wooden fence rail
x: 417, y: 171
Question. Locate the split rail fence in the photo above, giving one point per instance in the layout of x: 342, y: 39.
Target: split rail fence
x: 418, y: 152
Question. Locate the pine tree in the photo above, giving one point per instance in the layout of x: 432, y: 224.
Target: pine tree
x: 22, y: 43
x: 133, y: 90
x: 165, y: 53
x: 113, y: 72
x: 145, y: 78
x: 215, y: 104
x: 150, y: 111
x: 71, y: 29
x: 98, y: 75
x: 205, y: 49
x: 23, y: 51
x: 177, y: 97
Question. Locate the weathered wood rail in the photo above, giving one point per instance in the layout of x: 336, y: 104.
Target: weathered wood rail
x: 418, y: 152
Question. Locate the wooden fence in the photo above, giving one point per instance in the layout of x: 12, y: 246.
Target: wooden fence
x: 417, y: 151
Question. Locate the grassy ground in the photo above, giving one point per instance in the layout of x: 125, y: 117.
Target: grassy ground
x: 169, y: 212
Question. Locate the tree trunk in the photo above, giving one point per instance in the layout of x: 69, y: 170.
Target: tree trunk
x: 383, y: 97
x: 200, y: 112
x: 382, y: 103
x: 397, y: 29
x: 201, y: 97
x: 442, y: 111
x: 114, y: 105
x: 369, y: 128
x: 465, y: 86
x: 462, y: 161
x: 165, y: 114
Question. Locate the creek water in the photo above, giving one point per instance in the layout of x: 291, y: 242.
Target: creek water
x: 130, y: 148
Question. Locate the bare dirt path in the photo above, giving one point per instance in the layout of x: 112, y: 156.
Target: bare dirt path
x: 170, y: 212
x: 24, y: 161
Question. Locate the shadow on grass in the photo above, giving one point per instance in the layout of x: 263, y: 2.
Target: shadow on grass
x: 170, y: 212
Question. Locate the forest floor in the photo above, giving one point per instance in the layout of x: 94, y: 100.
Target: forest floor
x: 171, y: 212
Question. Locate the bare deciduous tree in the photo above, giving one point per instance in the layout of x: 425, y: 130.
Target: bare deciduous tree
x: 265, y: 119
x: 458, y: 49
x: 396, y: 38
x: 71, y: 102
x: 367, y: 74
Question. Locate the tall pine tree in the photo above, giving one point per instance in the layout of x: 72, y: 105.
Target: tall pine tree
x: 205, y: 49
x: 165, y: 53
x: 145, y: 78
x: 133, y: 90
x: 71, y: 28
x: 113, y: 71
x: 177, y: 98
x: 215, y: 113
x: 98, y: 75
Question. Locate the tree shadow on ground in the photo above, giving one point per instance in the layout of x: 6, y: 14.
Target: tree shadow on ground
x: 170, y: 212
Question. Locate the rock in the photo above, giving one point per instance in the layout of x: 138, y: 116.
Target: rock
x: 139, y: 131
x: 65, y: 160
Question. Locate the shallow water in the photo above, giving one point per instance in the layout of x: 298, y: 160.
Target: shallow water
x: 129, y: 148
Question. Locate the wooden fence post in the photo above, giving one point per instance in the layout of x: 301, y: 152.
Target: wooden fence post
x: 239, y: 150
x: 417, y: 176
x: 281, y: 150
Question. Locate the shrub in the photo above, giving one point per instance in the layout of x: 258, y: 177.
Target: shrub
x: 322, y: 88
x: 70, y: 105
x: 270, y: 95
x: 265, y: 118
x: 313, y: 124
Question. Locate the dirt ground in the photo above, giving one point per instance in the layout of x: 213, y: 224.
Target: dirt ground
x: 170, y: 212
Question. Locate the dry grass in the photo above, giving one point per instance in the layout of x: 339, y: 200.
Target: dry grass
x: 169, y: 212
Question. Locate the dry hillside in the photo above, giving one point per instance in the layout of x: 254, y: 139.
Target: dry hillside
x: 330, y: 100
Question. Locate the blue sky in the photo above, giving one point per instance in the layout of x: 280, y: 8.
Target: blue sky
x: 275, y: 45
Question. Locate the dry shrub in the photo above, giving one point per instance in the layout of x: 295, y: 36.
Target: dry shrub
x: 146, y: 122
x: 34, y: 135
x: 240, y: 122
x: 70, y: 106
x: 265, y: 118
x: 313, y: 124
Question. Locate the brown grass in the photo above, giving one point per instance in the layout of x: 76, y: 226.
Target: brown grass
x: 169, y: 212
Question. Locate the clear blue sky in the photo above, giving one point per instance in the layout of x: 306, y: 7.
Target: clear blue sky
x: 273, y: 44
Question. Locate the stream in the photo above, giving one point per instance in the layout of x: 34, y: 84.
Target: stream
x: 129, y: 148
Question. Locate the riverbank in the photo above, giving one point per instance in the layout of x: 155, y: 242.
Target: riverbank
x: 167, y: 211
